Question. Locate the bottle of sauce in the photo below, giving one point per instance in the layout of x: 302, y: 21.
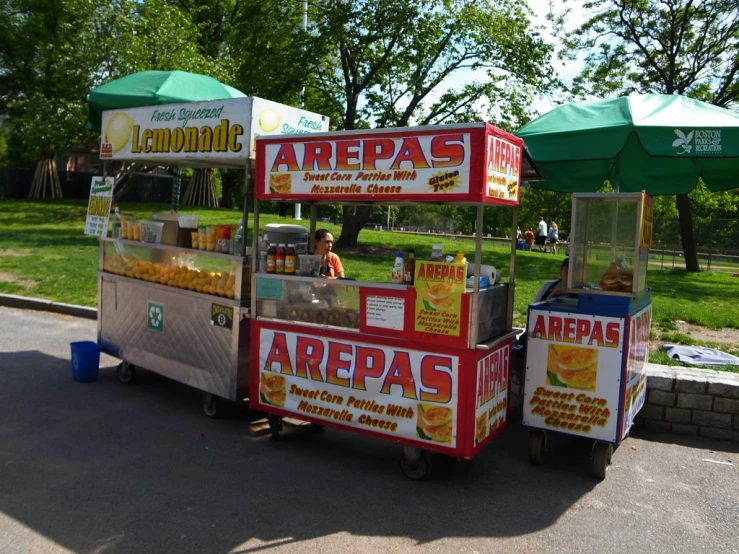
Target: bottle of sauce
x: 290, y: 260
x: 272, y: 258
x: 410, y: 269
x: 398, y: 269
x: 280, y: 258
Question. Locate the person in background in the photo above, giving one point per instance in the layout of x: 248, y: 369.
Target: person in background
x: 553, y: 237
x: 541, y: 238
x: 331, y: 267
x: 528, y: 239
x: 518, y: 233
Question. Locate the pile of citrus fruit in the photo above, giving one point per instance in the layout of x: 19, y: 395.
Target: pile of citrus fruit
x: 220, y: 284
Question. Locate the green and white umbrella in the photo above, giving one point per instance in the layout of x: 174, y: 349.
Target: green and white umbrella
x: 151, y: 88
x: 655, y: 142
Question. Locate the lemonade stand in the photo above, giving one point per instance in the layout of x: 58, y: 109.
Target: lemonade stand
x: 174, y: 310
x: 424, y: 365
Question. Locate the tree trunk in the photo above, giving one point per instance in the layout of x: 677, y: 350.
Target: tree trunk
x: 354, y: 220
x: 686, y: 233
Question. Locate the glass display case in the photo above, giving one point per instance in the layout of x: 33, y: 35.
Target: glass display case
x: 308, y: 300
x: 609, y: 243
x: 184, y: 268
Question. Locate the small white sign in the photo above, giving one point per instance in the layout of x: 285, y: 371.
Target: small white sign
x: 385, y: 312
x: 98, y: 207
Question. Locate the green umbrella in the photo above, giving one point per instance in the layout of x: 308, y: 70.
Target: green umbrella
x: 151, y: 88
x: 655, y: 142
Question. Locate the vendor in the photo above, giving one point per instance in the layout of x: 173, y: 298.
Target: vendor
x: 556, y: 287
x: 331, y: 267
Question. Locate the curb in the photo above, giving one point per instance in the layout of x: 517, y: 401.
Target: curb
x: 41, y: 305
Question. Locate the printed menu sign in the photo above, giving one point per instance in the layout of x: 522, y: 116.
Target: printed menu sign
x: 386, y: 312
x: 439, y: 289
x: 636, y: 384
x: 503, y: 169
x: 98, y: 208
x: 491, y: 393
x: 399, y: 392
x: 573, y: 373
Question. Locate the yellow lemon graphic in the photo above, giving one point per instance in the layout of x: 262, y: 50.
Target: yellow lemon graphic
x: 118, y: 131
x: 269, y: 120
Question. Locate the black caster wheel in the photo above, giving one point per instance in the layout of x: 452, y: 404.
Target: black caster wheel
x: 126, y: 372
x: 602, y: 453
x: 213, y: 406
x: 275, y: 426
x: 537, y: 447
x: 415, y: 463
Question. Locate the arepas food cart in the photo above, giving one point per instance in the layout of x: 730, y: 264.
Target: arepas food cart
x: 424, y: 365
x: 180, y: 312
x: 586, y: 353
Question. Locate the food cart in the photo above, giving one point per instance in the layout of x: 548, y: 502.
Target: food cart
x: 423, y: 365
x: 586, y: 352
x: 176, y: 311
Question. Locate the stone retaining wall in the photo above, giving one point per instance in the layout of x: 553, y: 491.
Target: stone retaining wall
x: 691, y: 402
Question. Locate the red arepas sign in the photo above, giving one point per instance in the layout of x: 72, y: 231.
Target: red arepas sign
x: 460, y: 163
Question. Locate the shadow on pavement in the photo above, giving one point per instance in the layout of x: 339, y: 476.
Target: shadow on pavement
x: 139, y: 468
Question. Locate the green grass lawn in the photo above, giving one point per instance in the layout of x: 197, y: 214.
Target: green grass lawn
x: 44, y: 253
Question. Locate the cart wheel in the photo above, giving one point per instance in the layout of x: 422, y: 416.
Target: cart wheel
x: 415, y: 463
x: 126, y: 372
x: 275, y: 426
x: 537, y: 447
x: 212, y: 405
x: 602, y: 453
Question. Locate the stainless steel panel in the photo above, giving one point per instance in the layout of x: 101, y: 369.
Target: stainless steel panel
x: 492, y: 315
x: 189, y: 350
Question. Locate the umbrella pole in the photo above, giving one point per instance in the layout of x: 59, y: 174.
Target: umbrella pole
x: 616, y: 182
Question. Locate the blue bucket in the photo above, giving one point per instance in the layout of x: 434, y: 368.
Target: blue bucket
x: 85, y: 361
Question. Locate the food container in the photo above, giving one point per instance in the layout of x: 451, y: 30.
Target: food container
x: 309, y: 264
x: 151, y: 231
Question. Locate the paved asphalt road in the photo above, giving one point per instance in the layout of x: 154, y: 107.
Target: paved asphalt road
x: 106, y: 467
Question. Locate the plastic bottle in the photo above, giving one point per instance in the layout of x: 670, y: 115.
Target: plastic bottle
x: 262, y: 262
x: 398, y: 268
x: 225, y: 239
x: 116, y: 224
x: 239, y: 237
x: 459, y: 258
x: 290, y: 260
x: 410, y: 268
x: 272, y: 258
x: 280, y: 258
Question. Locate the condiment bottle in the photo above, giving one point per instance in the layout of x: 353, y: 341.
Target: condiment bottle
x: 410, y: 268
x: 280, y: 258
x: 272, y: 258
x: 459, y: 258
x: 398, y: 268
x: 437, y: 254
x: 290, y: 260
x: 117, y: 224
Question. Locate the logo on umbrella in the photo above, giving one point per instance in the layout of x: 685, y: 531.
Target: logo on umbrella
x: 683, y: 141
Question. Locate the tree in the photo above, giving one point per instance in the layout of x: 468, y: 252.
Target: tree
x: 688, y: 47
x: 389, y: 65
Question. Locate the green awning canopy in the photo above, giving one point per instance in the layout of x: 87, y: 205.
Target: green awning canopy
x: 655, y: 142
x: 151, y: 88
